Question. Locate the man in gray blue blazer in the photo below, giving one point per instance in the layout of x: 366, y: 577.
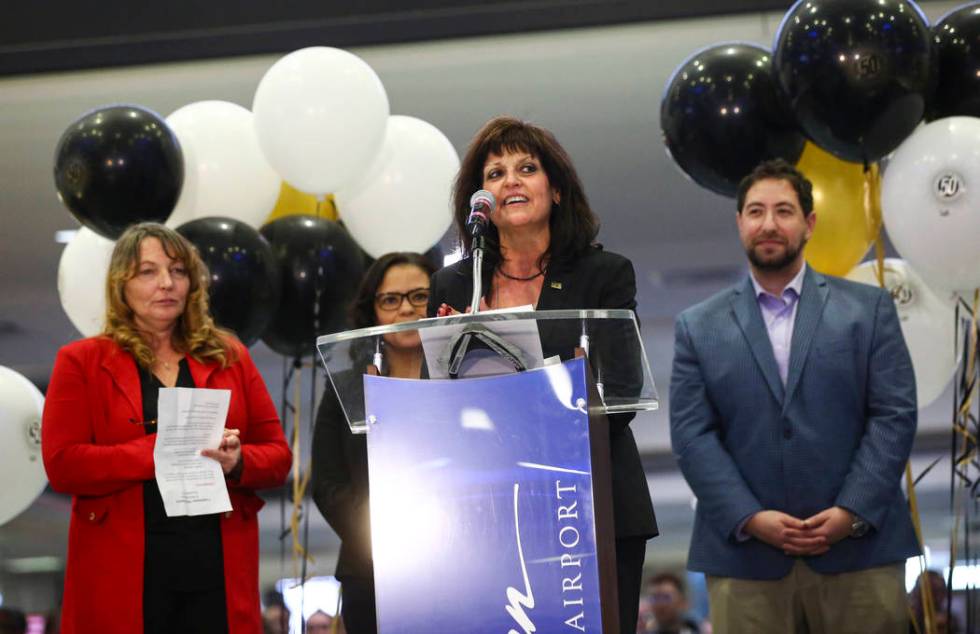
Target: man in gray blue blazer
x: 792, y: 415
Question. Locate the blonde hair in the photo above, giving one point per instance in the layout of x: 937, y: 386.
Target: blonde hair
x: 196, y: 333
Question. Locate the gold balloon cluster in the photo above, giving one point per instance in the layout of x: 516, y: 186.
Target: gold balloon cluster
x: 847, y: 201
x: 292, y: 202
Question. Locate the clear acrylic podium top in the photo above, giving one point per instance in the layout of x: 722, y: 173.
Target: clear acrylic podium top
x: 611, y: 337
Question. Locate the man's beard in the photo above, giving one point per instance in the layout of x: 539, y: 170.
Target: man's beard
x: 790, y: 253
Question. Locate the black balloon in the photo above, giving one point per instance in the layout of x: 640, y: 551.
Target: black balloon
x: 320, y: 266
x: 956, y: 39
x: 116, y: 166
x: 244, y: 285
x: 855, y: 72
x: 721, y: 116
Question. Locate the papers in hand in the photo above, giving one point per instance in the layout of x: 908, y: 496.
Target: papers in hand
x: 189, y: 420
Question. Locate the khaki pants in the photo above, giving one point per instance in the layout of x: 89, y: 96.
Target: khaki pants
x: 805, y: 602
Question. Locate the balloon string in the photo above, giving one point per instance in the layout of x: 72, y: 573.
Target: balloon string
x: 963, y: 418
x: 961, y: 427
x: 326, y: 207
x: 287, y: 373
x: 300, y: 481
x: 954, y: 537
x: 955, y: 494
x: 961, y: 424
x: 925, y: 587
x: 872, y: 215
x: 971, y: 363
x: 872, y: 211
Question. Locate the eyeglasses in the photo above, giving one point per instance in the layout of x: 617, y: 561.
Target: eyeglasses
x: 417, y: 297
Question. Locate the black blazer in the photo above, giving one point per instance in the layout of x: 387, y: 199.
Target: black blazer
x: 340, y: 481
x: 598, y: 279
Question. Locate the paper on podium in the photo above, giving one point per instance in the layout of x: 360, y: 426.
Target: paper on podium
x: 522, y: 333
x: 189, y: 420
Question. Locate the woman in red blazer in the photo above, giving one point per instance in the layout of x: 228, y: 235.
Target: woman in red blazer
x: 130, y: 567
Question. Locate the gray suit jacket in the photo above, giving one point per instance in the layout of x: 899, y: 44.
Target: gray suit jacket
x: 838, y: 433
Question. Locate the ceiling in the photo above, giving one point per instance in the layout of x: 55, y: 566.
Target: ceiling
x: 597, y: 88
x: 37, y: 37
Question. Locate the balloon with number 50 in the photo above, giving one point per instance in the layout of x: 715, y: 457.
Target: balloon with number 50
x: 931, y: 202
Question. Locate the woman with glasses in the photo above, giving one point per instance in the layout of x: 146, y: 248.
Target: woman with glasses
x: 541, y: 251
x: 395, y: 289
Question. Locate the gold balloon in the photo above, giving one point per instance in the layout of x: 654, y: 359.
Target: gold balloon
x: 293, y: 202
x: 846, y: 200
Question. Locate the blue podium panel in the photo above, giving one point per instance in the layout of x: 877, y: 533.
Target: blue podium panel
x: 481, y: 503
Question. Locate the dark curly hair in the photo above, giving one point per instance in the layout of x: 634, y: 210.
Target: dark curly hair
x: 778, y: 169
x: 572, y: 223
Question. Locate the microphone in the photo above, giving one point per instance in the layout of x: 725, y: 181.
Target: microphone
x: 482, y: 204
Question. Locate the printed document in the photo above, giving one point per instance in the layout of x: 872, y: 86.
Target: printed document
x: 189, y: 420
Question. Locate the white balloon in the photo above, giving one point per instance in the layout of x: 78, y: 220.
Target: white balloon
x: 403, y: 201
x: 82, y: 273
x: 931, y: 202
x: 21, y: 467
x: 928, y: 324
x: 225, y: 171
x: 320, y: 114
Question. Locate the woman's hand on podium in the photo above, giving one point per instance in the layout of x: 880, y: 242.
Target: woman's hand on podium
x: 445, y: 310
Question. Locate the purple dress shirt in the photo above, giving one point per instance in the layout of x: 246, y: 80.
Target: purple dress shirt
x: 779, y: 315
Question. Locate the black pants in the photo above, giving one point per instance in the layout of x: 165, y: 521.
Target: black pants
x: 184, y: 582
x: 166, y: 611
x: 630, y: 553
x: 357, y: 609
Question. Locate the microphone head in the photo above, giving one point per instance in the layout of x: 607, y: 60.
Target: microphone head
x: 483, y: 198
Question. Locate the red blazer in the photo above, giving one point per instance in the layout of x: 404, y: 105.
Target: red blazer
x: 93, y: 450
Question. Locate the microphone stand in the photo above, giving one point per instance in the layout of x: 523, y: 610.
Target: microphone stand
x: 477, y: 251
x: 474, y: 336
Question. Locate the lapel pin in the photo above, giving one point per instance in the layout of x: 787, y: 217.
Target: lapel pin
x: 556, y: 285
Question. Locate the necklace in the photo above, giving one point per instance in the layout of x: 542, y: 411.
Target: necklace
x: 521, y: 279
x: 166, y: 364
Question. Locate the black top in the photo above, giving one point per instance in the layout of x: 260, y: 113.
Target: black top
x: 181, y: 552
x: 340, y: 480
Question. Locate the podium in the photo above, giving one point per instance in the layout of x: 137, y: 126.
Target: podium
x: 490, y: 499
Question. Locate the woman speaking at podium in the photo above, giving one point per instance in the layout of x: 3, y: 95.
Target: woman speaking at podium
x: 394, y: 289
x: 541, y: 251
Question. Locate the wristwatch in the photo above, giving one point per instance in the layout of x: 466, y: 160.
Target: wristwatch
x: 859, y: 528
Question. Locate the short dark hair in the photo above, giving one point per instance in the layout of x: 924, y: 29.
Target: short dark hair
x: 362, y: 313
x: 778, y: 169
x: 572, y: 223
x: 667, y: 577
